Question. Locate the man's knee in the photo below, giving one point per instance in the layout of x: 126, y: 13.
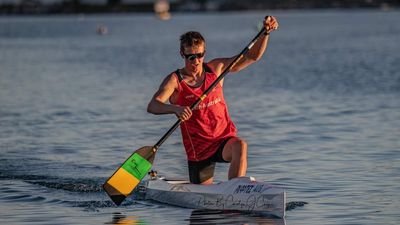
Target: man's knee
x: 235, y: 148
x: 240, y: 147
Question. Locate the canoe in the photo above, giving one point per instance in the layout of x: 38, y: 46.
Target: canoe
x: 242, y: 194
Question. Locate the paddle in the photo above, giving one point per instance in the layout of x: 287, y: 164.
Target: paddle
x: 135, y: 168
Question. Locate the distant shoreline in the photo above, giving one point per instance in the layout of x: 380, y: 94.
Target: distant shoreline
x: 149, y: 13
x: 35, y: 7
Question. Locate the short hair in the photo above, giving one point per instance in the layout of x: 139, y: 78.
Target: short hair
x: 191, y: 38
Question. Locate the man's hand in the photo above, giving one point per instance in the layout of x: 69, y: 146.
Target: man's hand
x: 270, y: 24
x: 183, y: 112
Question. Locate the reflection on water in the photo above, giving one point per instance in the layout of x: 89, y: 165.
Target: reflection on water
x: 231, y: 217
x: 206, y: 217
x: 121, y: 219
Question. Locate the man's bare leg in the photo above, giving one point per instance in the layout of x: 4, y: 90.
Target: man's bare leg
x: 209, y: 181
x: 235, y: 152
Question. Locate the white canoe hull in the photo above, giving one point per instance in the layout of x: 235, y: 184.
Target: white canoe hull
x: 243, y: 194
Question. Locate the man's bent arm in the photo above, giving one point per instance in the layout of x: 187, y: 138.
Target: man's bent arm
x: 157, y: 104
x: 253, y: 55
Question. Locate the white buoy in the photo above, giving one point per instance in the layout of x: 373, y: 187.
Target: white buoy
x: 161, y: 9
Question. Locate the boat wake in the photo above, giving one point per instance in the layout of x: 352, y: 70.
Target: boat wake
x: 67, y: 184
x: 70, y: 186
x: 293, y: 205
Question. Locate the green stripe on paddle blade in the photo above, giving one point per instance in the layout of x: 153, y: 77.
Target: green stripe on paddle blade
x: 137, y: 166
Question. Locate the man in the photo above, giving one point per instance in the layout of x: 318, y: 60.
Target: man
x: 208, y: 133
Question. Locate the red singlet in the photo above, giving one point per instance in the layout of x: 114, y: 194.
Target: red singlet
x: 210, y: 123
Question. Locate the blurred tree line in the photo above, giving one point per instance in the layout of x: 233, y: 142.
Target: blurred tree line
x: 104, y: 6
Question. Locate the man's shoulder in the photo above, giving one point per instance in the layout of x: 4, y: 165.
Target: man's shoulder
x: 213, y: 66
x: 174, y: 75
x: 211, y: 63
x: 171, y: 79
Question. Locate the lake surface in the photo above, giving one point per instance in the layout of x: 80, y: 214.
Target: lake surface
x: 320, y: 112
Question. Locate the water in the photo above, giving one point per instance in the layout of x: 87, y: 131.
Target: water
x: 320, y: 111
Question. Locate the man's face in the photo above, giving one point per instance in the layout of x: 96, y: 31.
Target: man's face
x: 194, y: 57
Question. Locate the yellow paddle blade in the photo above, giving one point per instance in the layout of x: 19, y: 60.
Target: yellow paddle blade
x: 129, y: 174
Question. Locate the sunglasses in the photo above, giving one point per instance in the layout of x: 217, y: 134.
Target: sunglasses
x: 192, y: 57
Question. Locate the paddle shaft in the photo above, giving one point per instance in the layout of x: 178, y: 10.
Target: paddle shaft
x: 209, y: 89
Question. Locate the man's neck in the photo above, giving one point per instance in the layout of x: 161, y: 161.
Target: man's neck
x: 192, y: 73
